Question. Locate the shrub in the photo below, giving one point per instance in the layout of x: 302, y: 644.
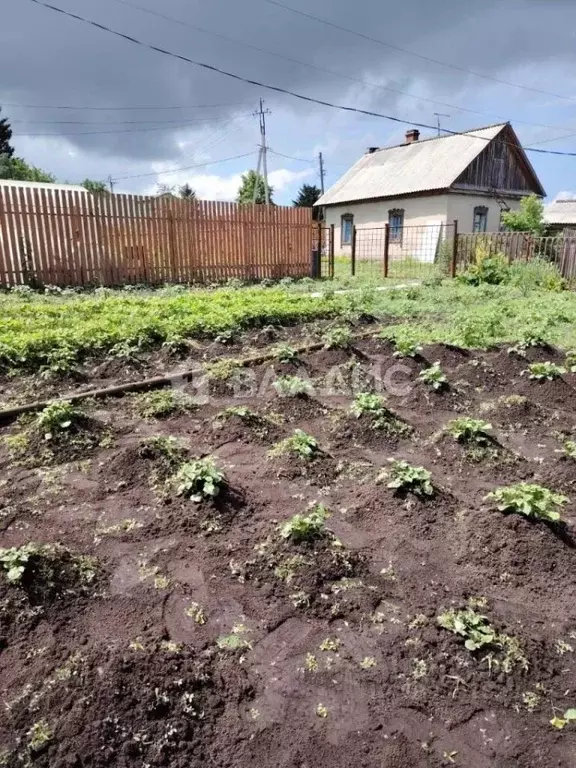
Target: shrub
x: 337, y: 337
x: 306, y: 527
x: 292, y: 386
x: 56, y: 418
x: 434, y: 376
x: 544, y: 371
x: 491, y: 269
x: 531, y: 500
x: 467, y: 430
x: 405, y: 477
x: 300, y: 444
x: 199, y: 480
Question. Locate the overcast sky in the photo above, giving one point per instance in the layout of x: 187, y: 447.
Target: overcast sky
x: 193, y: 116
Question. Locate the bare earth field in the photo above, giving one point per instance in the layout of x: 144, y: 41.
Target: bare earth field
x: 169, y: 632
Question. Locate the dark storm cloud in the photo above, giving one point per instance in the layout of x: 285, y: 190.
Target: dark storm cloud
x: 46, y: 58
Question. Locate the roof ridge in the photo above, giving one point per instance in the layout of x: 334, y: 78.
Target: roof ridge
x: 447, y: 136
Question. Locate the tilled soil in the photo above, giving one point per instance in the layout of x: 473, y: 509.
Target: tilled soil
x: 204, y: 638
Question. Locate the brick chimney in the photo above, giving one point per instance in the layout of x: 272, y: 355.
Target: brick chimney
x: 412, y: 136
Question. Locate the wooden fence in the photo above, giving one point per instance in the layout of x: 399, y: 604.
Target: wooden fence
x: 519, y: 246
x: 63, y: 237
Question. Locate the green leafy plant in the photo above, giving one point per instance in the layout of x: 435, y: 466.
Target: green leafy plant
x: 163, y: 403
x: 306, y: 527
x: 529, y: 499
x: 222, y: 370
x: 571, y: 360
x: 284, y: 353
x: 467, y: 430
x: 404, y: 477
x: 544, y: 371
x: 199, y: 480
x: 56, y: 418
x: 13, y: 561
x: 373, y: 406
x: 569, y: 449
x: 39, y: 735
x: 470, y: 625
x: 337, y: 337
x: 299, y: 444
x: 292, y: 386
x: 404, y: 347
x: 434, y: 376
x: 561, y: 722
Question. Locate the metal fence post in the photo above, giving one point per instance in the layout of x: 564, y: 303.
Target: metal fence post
x: 331, y: 252
x: 454, y: 264
x: 353, y: 254
x: 386, y: 248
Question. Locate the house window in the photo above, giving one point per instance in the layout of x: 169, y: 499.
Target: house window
x: 480, y: 218
x: 346, y: 229
x: 396, y: 222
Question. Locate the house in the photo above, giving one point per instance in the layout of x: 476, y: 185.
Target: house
x: 469, y: 177
x: 560, y: 215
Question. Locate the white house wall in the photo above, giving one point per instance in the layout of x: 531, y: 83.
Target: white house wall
x: 418, y: 211
x: 461, y: 207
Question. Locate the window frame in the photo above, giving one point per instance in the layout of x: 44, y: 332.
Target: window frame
x: 344, y: 219
x: 480, y: 211
x: 396, y: 231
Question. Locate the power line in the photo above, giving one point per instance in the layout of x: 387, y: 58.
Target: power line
x: 361, y: 81
x: 289, y: 157
x: 209, y: 118
x: 103, y: 133
x: 123, y: 109
x: 429, y: 59
x: 275, y: 88
x: 183, y: 168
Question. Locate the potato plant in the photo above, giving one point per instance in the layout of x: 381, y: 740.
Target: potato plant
x: 300, y: 444
x: 544, y: 371
x: 434, y: 377
x: 374, y: 408
x: 467, y: 430
x: 407, y: 478
x: 293, y: 386
x: 404, y: 347
x: 529, y: 499
x: 337, y: 337
x: 307, y: 527
x: 284, y: 353
x: 56, y: 418
x: 199, y: 480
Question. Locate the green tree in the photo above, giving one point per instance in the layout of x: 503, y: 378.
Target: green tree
x: 250, y: 180
x: 187, y: 193
x: 308, y: 194
x: 5, y: 135
x: 530, y: 217
x: 18, y: 169
x: 95, y: 187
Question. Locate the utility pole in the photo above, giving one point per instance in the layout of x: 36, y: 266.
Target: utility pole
x: 262, y: 155
x: 321, y: 162
x: 438, y: 116
x: 111, y: 183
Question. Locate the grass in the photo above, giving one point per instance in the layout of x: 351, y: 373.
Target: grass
x: 41, y: 331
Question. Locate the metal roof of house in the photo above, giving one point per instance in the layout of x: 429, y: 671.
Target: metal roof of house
x: 421, y: 166
x: 560, y: 212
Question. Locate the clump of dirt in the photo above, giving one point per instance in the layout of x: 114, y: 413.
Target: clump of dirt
x: 154, y: 707
x: 304, y: 563
x: 298, y: 408
x: 515, y: 411
x: 47, y: 571
x: 38, y: 445
x: 368, y: 430
x: 321, y: 469
x: 242, y: 423
x: 154, y: 460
